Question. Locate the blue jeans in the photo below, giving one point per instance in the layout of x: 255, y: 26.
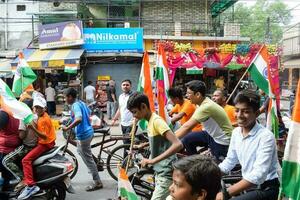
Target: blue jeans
x: 202, y: 139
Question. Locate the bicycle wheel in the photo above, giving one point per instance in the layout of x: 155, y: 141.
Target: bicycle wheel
x: 69, y: 155
x: 115, y: 159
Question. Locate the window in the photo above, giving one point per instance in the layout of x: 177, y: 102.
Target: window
x: 21, y: 7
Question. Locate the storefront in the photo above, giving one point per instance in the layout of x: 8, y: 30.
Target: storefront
x: 112, y: 54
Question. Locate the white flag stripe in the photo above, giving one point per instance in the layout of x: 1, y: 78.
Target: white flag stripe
x: 292, y: 153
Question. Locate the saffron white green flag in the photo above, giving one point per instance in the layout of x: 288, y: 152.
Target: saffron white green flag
x: 10, y: 104
x: 259, y: 69
x: 125, y: 189
x: 24, y: 76
x: 70, y: 69
x: 272, y: 118
x: 194, y: 70
x: 291, y: 161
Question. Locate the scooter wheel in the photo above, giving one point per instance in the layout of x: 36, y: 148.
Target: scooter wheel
x: 57, y: 192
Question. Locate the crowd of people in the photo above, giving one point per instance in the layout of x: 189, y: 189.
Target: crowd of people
x: 232, y: 134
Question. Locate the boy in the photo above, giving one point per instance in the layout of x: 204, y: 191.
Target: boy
x: 183, y: 109
x: 254, y: 148
x: 46, y: 141
x: 84, y: 134
x: 195, y: 178
x: 215, y: 122
x: 11, y: 160
x: 163, y: 144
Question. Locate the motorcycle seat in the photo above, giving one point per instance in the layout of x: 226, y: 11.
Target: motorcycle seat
x: 104, y: 130
x: 45, y: 156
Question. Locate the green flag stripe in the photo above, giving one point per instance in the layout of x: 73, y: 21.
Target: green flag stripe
x: 259, y: 79
x: 159, y: 73
x: 291, y: 179
x: 128, y: 195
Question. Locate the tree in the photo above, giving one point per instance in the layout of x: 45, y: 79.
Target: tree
x: 253, y: 20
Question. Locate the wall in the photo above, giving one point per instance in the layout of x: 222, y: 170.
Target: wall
x: 19, y: 23
x: 118, y: 72
x: 159, y: 17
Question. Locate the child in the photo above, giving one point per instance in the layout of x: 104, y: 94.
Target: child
x: 46, y: 140
x: 163, y: 144
x: 195, y: 178
x: 29, y: 140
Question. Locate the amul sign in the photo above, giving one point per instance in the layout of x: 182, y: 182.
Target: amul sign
x: 113, y: 39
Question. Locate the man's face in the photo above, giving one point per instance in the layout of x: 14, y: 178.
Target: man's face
x: 194, y: 97
x: 126, y: 87
x: 245, y: 115
x: 218, y: 97
x: 180, y: 188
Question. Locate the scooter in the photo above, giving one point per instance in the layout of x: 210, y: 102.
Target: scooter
x: 51, y: 171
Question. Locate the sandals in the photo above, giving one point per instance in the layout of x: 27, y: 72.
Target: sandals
x: 94, y: 187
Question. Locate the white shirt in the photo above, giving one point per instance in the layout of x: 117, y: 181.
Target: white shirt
x: 256, y: 153
x: 50, y: 94
x: 89, y: 92
x: 126, y: 115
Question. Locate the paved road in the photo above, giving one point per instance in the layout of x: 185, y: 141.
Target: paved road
x: 83, y: 178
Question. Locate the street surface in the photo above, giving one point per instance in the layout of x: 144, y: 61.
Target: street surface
x: 83, y: 178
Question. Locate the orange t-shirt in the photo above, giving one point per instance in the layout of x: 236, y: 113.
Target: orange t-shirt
x: 188, y: 109
x: 45, y: 126
x: 230, y: 111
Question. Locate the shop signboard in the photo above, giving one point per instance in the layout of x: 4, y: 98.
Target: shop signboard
x: 64, y: 34
x: 113, y: 39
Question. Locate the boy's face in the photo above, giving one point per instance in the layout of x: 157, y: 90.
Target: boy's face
x: 180, y: 188
x: 69, y: 99
x: 140, y: 113
x: 245, y: 115
x: 175, y: 100
x: 39, y: 110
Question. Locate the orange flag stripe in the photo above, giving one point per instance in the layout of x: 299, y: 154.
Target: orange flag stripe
x: 296, y: 110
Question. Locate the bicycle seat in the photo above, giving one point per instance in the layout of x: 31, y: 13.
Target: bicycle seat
x: 47, y: 155
x: 104, y: 130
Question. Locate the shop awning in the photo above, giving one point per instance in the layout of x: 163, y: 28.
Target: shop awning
x: 5, y: 68
x: 292, y: 63
x: 41, y: 59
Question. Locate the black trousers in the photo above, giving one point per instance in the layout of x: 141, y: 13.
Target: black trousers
x: 269, y: 190
x: 51, y: 107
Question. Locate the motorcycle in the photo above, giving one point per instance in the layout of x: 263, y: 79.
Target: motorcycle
x: 51, y: 171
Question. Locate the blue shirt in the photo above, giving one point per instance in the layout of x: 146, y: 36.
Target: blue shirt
x: 83, y: 130
x: 256, y: 153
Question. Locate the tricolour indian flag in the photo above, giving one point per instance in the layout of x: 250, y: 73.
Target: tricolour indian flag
x: 12, y: 106
x: 291, y: 161
x: 259, y: 69
x: 24, y: 76
x: 272, y: 118
x: 194, y: 70
x: 125, y: 189
x: 162, y: 84
x: 70, y: 69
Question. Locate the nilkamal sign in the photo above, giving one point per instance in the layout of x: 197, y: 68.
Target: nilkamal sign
x: 64, y: 34
x: 113, y: 39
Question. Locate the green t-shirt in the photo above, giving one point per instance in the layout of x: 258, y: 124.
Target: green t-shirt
x: 214, y: 120
x: 157, y: 127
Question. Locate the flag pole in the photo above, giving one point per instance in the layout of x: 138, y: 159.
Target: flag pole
x: 243, y: 75
x: 132, y: 135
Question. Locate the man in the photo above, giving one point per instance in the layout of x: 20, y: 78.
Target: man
x: 84, y: 132
x: 123, y: 113
x: 217, y: 127
x: 9, y: 140
x: 254, y: 148
x: 111, y: 99
x: 183, y: 109
x: 220, y: 98
x: 50, y: 97
x: 89, y: 93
